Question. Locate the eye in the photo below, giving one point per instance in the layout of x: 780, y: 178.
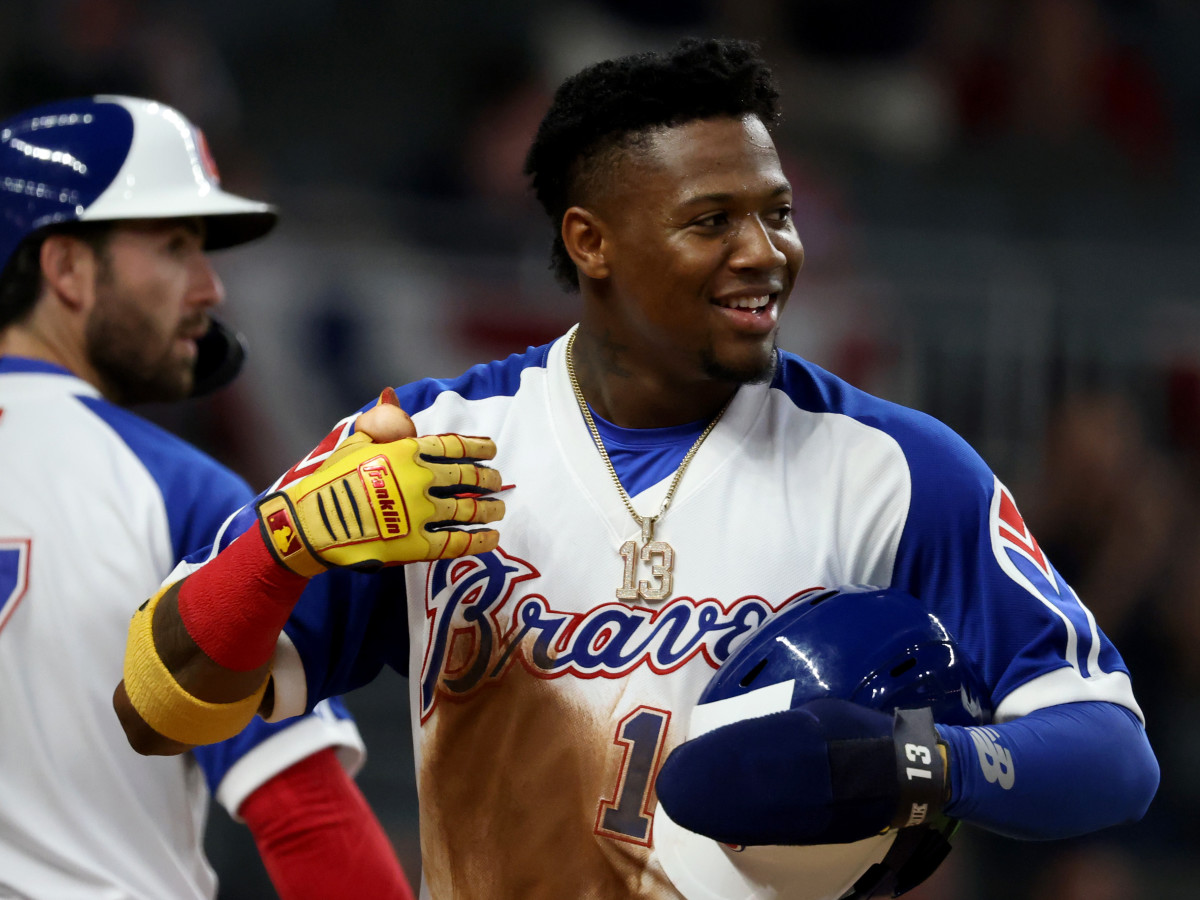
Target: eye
x: 712, y: 220
x: 182, y: 241
x: 781, y: 214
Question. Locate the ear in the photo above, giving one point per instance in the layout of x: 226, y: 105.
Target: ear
x: 583, y: 235
x: 69, y: 269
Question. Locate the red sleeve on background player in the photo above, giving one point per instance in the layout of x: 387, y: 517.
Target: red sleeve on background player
x: 318, y: 838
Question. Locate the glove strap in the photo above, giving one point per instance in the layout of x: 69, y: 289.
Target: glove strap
x: 920, y: 768
x: 284, y: 537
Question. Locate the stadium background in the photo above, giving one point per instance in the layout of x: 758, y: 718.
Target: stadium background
x: 999, y: 203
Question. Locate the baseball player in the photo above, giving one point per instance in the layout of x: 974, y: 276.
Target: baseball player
x: 669, y: 478
x: 107, y: 208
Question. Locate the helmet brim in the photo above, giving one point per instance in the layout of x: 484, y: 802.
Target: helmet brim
x: 229, y: 219
x: 230, y: 230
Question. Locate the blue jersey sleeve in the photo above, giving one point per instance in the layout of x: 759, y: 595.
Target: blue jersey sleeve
x: 198, y: 492
x: 1002, y: 776
x: 216, y: 760
x: 966, y: 552
x: 347, y: 626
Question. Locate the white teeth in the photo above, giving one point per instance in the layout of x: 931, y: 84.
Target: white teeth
x: 748, y: 302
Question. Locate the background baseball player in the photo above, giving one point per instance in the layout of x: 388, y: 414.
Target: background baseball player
x: 672, y: 478
x: 108, y: 207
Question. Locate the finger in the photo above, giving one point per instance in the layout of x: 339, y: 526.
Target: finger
x: 351, y: 442
x: 457, y: 446
x: 464, y: 510
x: 477, y: 510
x: 464, y: 475
x: 385, y: 421
x: 469, y: 543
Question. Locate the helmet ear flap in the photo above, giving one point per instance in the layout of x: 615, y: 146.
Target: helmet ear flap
x: 222, y: 351
x: 914, y: 856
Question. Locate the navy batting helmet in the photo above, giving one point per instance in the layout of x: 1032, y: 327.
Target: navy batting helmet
x: 880, y: 648
x: 107, y: 158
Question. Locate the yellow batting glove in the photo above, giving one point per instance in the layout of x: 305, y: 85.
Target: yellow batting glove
x: 371, y: 505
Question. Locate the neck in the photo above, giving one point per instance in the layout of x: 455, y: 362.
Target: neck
x: 31, y: 341
x: 640, y: 396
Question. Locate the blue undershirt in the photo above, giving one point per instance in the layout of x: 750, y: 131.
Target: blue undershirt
x: 643, y: 457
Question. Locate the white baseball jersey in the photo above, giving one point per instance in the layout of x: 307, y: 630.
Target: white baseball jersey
x: 96, y: 507
x: 543, y: 703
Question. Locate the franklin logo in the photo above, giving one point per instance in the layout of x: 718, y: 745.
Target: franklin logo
x: 386, y: 500
x: 283, y: 532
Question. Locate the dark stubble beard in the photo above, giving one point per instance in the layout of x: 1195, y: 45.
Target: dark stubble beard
x: 759, y: 372
x: 132, y: 371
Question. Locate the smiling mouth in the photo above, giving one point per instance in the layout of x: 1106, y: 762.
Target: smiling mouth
x: 751, y: 304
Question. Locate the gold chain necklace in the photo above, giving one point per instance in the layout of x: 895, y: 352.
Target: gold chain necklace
x: 665, y: 553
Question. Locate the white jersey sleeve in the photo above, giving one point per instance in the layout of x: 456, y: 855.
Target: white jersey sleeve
x: 96, y: 507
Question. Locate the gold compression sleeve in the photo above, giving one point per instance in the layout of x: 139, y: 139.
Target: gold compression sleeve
x: 163, y: 704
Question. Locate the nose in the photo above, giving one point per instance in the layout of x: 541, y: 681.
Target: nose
x: 207, y: 290
x: 756, y: 247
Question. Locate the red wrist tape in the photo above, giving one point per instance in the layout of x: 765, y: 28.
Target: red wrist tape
x: 236, y: 605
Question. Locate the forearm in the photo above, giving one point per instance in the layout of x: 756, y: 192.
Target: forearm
x: 1054, y: 773
x: 197, y: 659
x: 213, y: 633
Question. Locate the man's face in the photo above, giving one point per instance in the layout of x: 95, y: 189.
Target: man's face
x: 702, y: 251
x: 154, y: 288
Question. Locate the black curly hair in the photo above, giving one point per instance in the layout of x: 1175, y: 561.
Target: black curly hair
x: 614, y: 104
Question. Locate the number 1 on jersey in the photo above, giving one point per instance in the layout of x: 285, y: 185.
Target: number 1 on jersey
x: 627, y: 816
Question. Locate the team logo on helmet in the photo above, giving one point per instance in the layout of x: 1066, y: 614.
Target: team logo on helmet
x: 206, y: 157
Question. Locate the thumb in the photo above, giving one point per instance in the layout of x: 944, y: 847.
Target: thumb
x: 386, y: 421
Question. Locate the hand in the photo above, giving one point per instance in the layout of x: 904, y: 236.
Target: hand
x: 385, y: 421
x: 827, y: 772
x: 387, y: 501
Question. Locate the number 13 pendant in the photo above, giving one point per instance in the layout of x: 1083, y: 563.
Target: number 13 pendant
x: 651, y: 550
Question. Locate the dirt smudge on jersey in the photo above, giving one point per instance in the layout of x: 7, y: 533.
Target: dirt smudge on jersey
x: 511, y: 785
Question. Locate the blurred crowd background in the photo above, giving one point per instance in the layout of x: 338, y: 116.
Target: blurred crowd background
x: 1000, y: 202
